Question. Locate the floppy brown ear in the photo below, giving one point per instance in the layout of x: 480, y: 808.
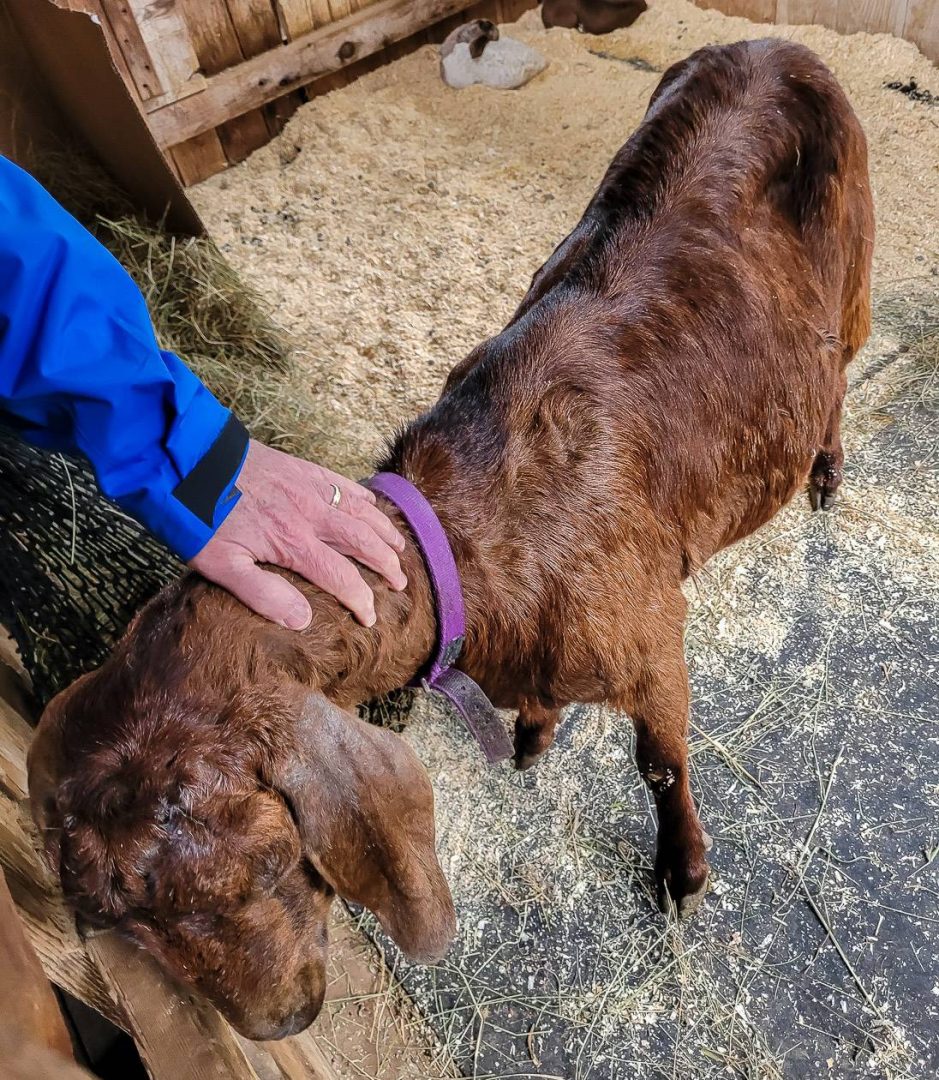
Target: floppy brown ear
x: 45, y: 765
x: 365, y: 811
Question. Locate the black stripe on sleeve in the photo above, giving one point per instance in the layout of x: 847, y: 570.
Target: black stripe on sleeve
x: 201, y: 490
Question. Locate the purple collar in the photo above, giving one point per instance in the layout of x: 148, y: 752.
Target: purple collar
x: 457, y: 687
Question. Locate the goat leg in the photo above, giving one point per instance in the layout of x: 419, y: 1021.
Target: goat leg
x: 825, y: 477
x: 660, y: 713
x: 534, y: 732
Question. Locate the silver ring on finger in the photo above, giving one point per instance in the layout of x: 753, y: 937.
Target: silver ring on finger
x: 337, y: 496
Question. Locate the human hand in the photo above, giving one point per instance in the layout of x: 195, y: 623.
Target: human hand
x: 285, y: 517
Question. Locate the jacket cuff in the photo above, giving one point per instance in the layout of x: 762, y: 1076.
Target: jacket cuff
x: 208, y: 491
x: 185, y: 513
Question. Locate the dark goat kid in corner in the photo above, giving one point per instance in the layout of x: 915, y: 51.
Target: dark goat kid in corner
x: 592, y: 16
x: 673, y: 376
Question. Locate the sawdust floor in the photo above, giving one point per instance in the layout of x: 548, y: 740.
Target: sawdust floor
x: 393, y: 225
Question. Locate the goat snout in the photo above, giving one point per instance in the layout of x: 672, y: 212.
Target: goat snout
x: 281, y: 1019
x: 293, y: 1024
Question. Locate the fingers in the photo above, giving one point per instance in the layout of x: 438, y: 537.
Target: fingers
x: 332, y: 572
x: 377, y: 521
x: 275, y: 598
x: 350, y: 487
x: 358, y: 502
x: 266, y: 593
x: 355, y: 538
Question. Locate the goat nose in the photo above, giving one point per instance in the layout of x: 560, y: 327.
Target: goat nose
x: 297, y: 1022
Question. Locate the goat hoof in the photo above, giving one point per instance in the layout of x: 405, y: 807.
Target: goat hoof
x: 820, y: 498
x: 686, y: 904
x: 824, y: 480
x: 682, y: 883
x: 534, y: 736
x: 523, y: 761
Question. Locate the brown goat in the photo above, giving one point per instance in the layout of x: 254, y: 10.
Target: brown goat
x: 673, y: 376
x: 592, y: 16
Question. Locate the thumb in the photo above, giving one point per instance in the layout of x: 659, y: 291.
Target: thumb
x: 266, y: 593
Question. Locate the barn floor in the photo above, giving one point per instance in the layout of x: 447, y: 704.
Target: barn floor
x: 394, y: 224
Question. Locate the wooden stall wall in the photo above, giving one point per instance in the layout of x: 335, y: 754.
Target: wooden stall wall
x: 217, y: 78
x: 915, y: 20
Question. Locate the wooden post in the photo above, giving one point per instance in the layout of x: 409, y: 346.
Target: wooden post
x: 29, y: 1012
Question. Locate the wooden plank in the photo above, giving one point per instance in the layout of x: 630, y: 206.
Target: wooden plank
x: 340, y: 9
x: 133, y: 48
x: 266, y: 77
x: 870, y: 16
x: 198, y: 158
x: 32, y: 1062
x: 15, y: 737
x: 848, y: 16
x: 278, y: 112
x: 243, y: 135
x: 794, y: 12
x: 218, y: 47
x: 13, y: 688
x: 301, y: 16
x: 300, y: 1058
x: 212, y: 34
x: 48, y: 923
x: 9, y: 656
x: 27, y: 1005
x: 255, y: 23
x: 177, y: 1036
x: 922, y: 27
x: 166, y: 38
x: 258, y: 30
x: 34, y: 1041
x: 514, y: 9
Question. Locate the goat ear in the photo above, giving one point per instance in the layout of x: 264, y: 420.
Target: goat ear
x: 45, y: 765
x: 365, y: 810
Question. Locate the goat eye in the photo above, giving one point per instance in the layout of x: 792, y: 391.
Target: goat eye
x: 314, y: 878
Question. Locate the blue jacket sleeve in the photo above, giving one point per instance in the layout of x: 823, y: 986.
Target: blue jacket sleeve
x: 80, y: 370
